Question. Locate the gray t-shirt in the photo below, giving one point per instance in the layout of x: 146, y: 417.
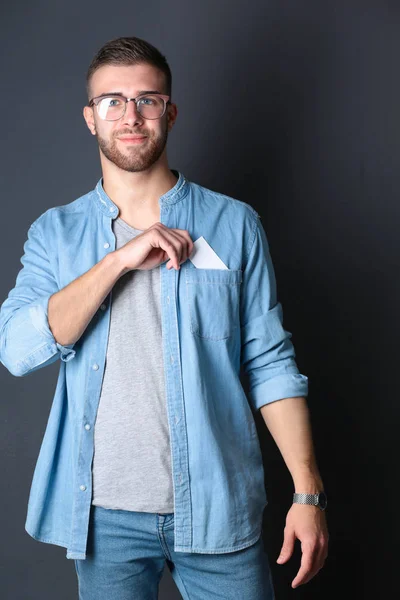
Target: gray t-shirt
x: 132, y: 455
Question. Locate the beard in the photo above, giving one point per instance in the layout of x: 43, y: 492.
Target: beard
x: 135, y: 157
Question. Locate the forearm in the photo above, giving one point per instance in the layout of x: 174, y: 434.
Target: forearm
x: 71, y: 309
x: 288, y: 421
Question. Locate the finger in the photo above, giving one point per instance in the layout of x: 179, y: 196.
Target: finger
x: 180, y: 245
x: 183, y: 244
x: 171, y: 245
x: 182, y: 235
x: 319, y: 561
x: 308, y: 559
x: 161, y: 238
x: 289, y: 539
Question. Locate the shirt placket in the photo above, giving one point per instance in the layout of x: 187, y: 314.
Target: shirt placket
x: 83, y: 478
x: 174, y: 398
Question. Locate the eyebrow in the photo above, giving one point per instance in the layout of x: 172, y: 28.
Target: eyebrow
x: 121, y: 94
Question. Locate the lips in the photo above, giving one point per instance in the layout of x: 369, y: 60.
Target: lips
x: 132, y: 137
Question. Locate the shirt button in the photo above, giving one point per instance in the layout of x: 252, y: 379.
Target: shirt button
x: 176, y: 419
x: 87, y: 426
x: 95, y: 367
x: 180, y: 477
x: 167, y: 299
x: 112, y: 208
x: 103, y: 307
x: 172, y: 358
x: 106, y: 245
x: 82, y: 487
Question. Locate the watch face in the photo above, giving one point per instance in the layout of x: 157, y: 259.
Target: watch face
x: 322, y: 500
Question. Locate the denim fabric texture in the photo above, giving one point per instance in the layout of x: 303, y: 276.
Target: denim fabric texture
x: 215, y: 323
x: 127, y: 552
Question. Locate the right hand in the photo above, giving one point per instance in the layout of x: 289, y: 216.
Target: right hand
x: 154, y: 246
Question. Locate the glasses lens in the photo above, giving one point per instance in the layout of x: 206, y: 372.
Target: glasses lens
x: 112, y: 108
x: 150, y: 107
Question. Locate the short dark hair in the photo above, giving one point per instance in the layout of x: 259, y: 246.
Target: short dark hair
x: 129, y: 51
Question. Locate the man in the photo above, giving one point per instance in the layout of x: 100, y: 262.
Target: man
x: 154, y: 291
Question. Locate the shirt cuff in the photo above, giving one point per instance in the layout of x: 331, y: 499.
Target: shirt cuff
x: 279, y: 387
x: 39, y: 315
x: 37, y: 337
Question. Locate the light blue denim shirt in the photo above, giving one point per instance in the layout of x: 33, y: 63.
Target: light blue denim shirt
x: 215, y: 323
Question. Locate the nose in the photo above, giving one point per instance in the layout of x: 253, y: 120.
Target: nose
x: 132, y: 115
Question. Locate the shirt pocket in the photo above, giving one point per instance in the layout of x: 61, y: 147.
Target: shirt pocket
x: 213, y: 301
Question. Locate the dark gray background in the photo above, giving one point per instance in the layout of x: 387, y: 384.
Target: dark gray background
x: 292, y: 107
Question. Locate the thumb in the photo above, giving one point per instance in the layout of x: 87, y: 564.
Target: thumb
x: 287, y: 547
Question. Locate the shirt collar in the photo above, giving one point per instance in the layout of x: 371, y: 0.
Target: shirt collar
x: 175, y: 194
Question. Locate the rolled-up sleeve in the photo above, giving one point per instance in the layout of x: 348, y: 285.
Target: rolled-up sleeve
x: 267, y: 353
x: 26, y: 340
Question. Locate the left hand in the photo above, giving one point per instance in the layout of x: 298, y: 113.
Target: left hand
x: 308, y: 524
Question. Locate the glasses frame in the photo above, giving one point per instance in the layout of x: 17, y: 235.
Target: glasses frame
x: 135, y: 100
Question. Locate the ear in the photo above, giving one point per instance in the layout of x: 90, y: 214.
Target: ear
x: 88, y: 116
x: 171, y: 115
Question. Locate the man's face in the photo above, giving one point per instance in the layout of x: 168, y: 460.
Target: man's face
x: 129, y: 81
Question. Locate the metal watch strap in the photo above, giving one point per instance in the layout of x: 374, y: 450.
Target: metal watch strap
x: 318, y: 499
x: 305, y: 498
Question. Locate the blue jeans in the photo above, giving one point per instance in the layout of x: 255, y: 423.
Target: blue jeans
x: 127, y: 551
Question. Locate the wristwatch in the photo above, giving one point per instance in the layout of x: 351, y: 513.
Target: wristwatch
x: 319, y: 499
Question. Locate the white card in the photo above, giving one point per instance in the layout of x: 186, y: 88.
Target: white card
x: 204, y: 257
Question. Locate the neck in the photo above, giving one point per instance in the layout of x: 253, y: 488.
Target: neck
x: 137, y: 194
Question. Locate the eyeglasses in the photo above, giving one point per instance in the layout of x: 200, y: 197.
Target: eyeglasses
x: 112, y: 108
